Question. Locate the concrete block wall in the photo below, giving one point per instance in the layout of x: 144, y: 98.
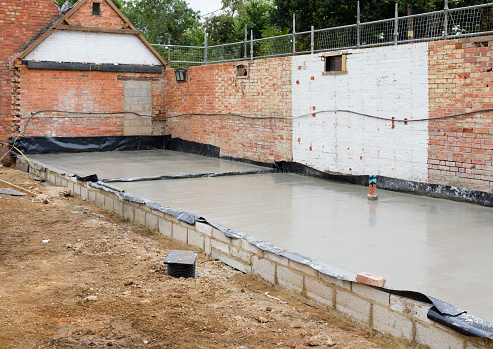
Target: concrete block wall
x: 461, y: 79
x: 371, y: 308
x: 210, y: 89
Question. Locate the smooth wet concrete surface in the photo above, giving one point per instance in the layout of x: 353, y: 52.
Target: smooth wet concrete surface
x: 144, y: 163
x: 439, y: 247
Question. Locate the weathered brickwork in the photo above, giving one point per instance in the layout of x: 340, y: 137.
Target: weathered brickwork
x: 215, y: 89
x: 77, y: 91
x: 19, y: 21
x: 460, y: 80
x: 108, y: 18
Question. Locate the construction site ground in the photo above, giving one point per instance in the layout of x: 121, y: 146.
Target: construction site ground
x: 75, y: 276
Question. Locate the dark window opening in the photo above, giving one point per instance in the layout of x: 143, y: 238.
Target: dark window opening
x: 96, y: 9
x: 241, y: 71
x: 333, y: 63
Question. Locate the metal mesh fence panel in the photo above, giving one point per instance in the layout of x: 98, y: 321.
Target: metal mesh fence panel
x: 445, y: 24
x: 226, y: 53
x: 471, y: 20
x: 335, y: 38
x: 270, y: 47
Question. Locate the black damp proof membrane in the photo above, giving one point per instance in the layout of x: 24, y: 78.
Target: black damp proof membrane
x: 54, y: 145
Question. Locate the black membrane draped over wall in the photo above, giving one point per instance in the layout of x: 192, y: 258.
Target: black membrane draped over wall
x: 440, y: 311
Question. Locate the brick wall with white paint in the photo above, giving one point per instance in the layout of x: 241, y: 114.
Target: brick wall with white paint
x: 385, y: 81
x: 88, y: 47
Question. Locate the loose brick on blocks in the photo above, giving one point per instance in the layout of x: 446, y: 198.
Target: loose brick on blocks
x: 370, y: 279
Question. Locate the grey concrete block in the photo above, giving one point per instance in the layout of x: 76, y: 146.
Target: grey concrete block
x: 436, y: 339
x: 303, y: 268
x: 170, y: 218
x: 264, y: 269
x: 389, y: 322
x: 221, y: 246
x: 195, y: 239
x: 276, y: 258
x: 140, y: 216
x: 411, y: 308
x: 356, y: 308
x: 289, y: 280
x: 129, y: 211
x: 231, y: 262
x: 180, y: 233
x: 371, y: 293
x: 64, y: 182
x: 117, y: 206
x: 84, y: 193
x: 77, y: 187
x: 204, y: 228
x: 165, y: 227
x: 219, y: 235
x: 92, y: 195
x: 251, y: 248
x: 99, y: 202
x: 332, y: 280
x: 241, y: 254
x: 151, y: 221
x: 109, y: 203
x: 319, y: 292
x: 207, y: 245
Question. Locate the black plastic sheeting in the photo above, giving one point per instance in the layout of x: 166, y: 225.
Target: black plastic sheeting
x: 393, y: 184
x: 183, y: 176
x: 51, y: 145
x: 54, y: 145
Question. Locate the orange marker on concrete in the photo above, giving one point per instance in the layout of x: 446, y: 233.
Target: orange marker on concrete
x: 373, y: 188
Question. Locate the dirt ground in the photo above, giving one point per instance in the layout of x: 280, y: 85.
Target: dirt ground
x: 74, y: 276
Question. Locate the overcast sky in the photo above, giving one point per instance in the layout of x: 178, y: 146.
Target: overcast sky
x: 205, y: 6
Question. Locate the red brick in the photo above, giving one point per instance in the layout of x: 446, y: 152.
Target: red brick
x: 370, y: 279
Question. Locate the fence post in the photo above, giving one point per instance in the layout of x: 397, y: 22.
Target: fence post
x: 246, y: 40
x: 251, y: 45
x: 358, y: 29
x: 169, y: 52
x: 396, y: 24
x: 312, y: 40
x: 206, y: 47
x: 294, y: 33
x: 445, y: 19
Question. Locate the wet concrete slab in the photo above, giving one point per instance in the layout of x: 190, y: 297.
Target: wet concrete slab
x: 439, y: 247
x: 130, y: 164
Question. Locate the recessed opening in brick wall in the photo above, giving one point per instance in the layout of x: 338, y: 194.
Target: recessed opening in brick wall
x: 96, y: 9
x: 335, y: 63
x: 241, y: 71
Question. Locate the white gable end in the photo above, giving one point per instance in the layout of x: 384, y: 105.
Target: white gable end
x: 89, y: 47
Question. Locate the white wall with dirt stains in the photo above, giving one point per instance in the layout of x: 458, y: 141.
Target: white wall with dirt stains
x: 387, y: 82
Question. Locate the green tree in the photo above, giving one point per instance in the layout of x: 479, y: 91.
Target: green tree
x: 159, y: 20
x: 333, y: 13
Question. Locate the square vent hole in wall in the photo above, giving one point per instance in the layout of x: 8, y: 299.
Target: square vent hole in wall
x: 96, y: 9
x: 334, y: 63
x: 242, y: 70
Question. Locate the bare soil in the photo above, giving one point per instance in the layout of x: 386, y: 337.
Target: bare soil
x: 74, y: 276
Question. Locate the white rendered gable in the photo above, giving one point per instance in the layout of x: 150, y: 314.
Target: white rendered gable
x: 90, y: 47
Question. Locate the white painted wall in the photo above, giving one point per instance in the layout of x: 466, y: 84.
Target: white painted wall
x: 87, y: 47
x: 387, y: 81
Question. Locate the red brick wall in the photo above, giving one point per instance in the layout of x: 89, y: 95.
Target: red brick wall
x: 216, y: 89
x: 76, y: 91
x: 19, y: 21
x: 460, y: 80
x: 108, y: 19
